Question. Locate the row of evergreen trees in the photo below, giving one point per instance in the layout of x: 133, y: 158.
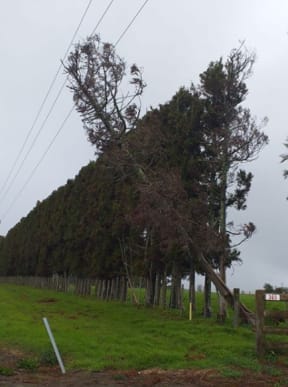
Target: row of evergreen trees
x: 159, y: 192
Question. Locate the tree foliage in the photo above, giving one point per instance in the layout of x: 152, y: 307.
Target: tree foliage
x: 231, y: 137
x: 96, y: 75
x: 284, y: 158
x: 159, y: 192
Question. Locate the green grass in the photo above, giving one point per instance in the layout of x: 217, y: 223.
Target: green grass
x: 5, y: 371
x: 100, y: 335
x: 28, y: 364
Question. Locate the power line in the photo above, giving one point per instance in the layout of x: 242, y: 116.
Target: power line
x: 59, y: 93
x: 34, y: 141
x: 131, y: 22
x: 51, y: 107
x: 39, y: 162
x: 46, y: 118
x: 43, y: 103
x: 102, y: 17
x: 68, y: 115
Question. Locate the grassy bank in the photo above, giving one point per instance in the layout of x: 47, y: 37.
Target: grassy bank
x: 107, y: 335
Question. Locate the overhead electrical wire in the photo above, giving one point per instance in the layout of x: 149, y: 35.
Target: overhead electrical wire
x: 2, y: 197
x: 131, y: 22
x: 102, y: 17
x: 33, y: 142
x: 70, y: 111
x: 39, y: 162
x: 42, y: 104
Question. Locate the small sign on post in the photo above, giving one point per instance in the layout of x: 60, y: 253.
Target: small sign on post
x: 272, y: 297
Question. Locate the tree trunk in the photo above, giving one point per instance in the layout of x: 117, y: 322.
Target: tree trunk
x: 222, y: 231
x: 245, y: 313
x: 207, y: 297
x: 192, y: 291
x: 222, y: 301
x: 123, y: 289
x: 175, y: 297
x: 157, y: 289
x: 163, y: 290
x: 150, y: 287
x: 123, y: 249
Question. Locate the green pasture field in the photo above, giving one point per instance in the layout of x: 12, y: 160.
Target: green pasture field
x: 98, y: 335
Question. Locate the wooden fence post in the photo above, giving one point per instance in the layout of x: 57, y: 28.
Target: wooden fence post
x: 236, y: 295
x: 260, y: 339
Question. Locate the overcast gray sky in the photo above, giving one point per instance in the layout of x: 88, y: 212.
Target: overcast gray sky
x: 173, y: 42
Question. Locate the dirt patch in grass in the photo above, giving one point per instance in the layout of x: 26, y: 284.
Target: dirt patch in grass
x: 51, y: 376
x: 9, y: 358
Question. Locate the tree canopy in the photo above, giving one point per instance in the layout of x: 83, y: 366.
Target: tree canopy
x: 158, y: 194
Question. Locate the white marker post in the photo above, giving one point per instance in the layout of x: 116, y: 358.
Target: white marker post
x: 46, y: 323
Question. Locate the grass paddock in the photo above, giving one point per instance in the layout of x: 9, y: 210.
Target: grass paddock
x: 98, y: 335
